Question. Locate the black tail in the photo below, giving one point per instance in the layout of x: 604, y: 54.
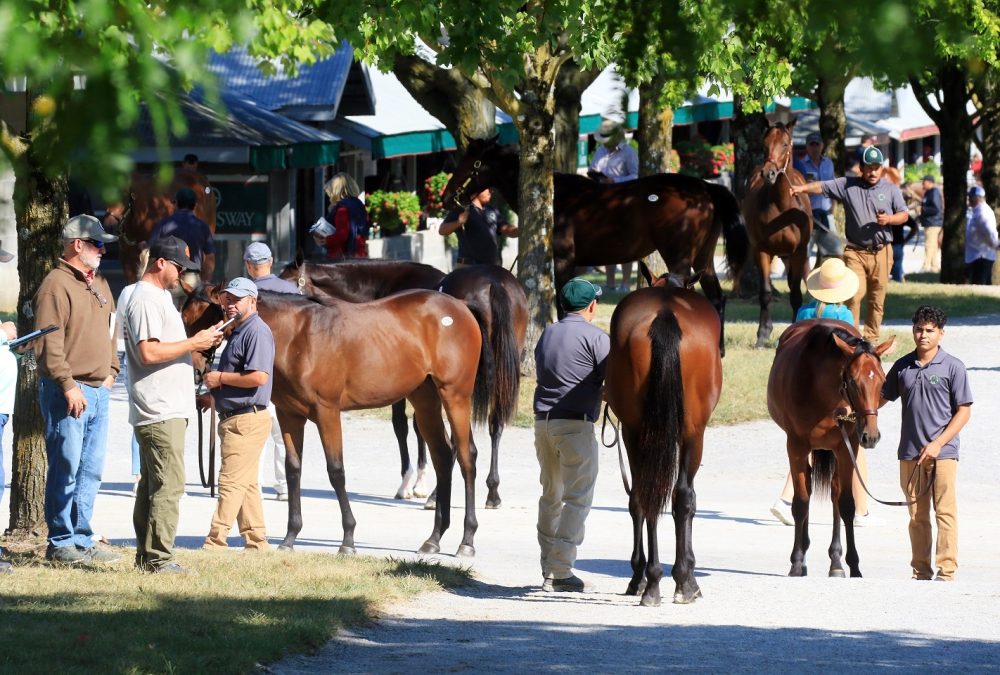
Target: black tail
x: 734, y: 230
x: 824, y: 464
x: 655, y: 460
x: 485, y: 373
x: 506, y: 358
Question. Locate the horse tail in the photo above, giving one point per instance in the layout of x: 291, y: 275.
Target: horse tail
x: 655, y: 460
x: 506, y: 358
x: 823, y: 468
x: 485, y: 372
x: 734, y: 230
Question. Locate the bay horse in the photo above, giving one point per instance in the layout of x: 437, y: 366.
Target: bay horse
x: 779, y: 224
x: 825, y: 375
x: 421, y: 345
x: 663, y: 381
x: 491, y: 291
x: 146, y: 203
x: 679, y: 216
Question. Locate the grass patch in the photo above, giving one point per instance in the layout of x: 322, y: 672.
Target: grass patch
x: 240, y: 610
x: 745, y: 369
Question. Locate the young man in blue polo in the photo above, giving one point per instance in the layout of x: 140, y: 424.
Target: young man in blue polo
x: 937, y: 403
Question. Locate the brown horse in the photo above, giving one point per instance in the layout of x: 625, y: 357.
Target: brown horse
x: 825, y: 375
x: 421, y: 345
x: 779, y: 224
x: 491, y: 291
x: 146, y: 203
x: 663, y: 380
x: 679, y: 216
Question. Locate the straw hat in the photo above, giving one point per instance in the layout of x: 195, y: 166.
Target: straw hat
x: 833, y: 282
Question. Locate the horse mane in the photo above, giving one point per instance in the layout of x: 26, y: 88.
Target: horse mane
x: 860, y: 344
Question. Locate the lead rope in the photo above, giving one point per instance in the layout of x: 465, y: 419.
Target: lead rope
x: 909, y: 481
x: 615, y: 443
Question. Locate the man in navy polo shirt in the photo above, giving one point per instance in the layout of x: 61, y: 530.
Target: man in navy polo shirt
x: 477, y: 227
x: 570, y: 358
x: 194, y: 232
x: 936, y: 405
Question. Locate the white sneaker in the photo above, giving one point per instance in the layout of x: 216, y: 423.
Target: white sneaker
x: 281, y: 496
x: 865, y: 520
x: 782, y: 510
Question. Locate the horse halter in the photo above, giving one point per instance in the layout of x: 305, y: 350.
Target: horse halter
x: 788, y: 155
x: 846, y: 385
x: 465, y: 183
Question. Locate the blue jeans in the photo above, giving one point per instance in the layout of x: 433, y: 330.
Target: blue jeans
x: 897, y: 262
x: 3, y: 477
x: 75, y: 447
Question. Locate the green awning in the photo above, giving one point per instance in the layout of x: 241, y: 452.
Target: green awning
x: 308, y: 155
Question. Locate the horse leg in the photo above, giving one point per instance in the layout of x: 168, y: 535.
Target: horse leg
x: 764, y: 325
x: 713, y: 291
x: 400, y: 428
x: 427, y: 410
x: 331, y: 434
x: 796, y: 265
x: 493, y: 478
x: 420, y: 487
x: 798, y: 463
x: 458, y: 408
x: 845, y: 471
x: 654, y: 571
x: 637, y: 584
x: 685, y: 503
x: 836, y: 550
x: 292, y: 433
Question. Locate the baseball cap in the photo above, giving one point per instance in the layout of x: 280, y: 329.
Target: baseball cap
x: 86, y: 227
x: 814, y: 137
x: 977, y: 191
x: 607, y: 130
x: 578, y: 293
x: 257, y: 253
x: 4, y: 255
x: 173, y: 249
x: 872, y: 156
x: 241, y: 287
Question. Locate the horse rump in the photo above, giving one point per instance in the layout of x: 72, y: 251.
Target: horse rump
x: 655, y: 460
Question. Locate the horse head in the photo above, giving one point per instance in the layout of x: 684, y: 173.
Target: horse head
x: 668, y: 280
x: 862, y: 378
x: 778, y: 144
x: 202, y: 309
x: 473, y: 173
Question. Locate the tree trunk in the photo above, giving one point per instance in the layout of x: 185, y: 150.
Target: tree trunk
x: 988, y: 93
x: 41, y: 209
x: 570, y: 84
x: 833, y: 129
x: 957, y: 130
x: 655, y: 138
x: 536, y: 128
x: 456, y: 101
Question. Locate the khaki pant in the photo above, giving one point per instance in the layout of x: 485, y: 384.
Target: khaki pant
x: 567, y: 458
x: 242, y: 439
x: 932, y: 249
x: 158, y: 496
x: 945, y: 512
x: 873, y: 271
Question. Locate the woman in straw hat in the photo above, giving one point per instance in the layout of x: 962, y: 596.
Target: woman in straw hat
x: 830, y: 285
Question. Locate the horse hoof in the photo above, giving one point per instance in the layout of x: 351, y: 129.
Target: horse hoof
x: 633, y: 589
x: 347, y: 550
x: 493, y: 503
x: 797, y: 572
x: 418, y: 493
x: 430, y: 504
x: 429, y: 548
x: 839, y: 574
x: 682, y: 599
x: 465, y: 551
x: 650, y: 601
x: 287, y: 548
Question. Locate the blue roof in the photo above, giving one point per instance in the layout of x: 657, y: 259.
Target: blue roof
x: 315, y: 93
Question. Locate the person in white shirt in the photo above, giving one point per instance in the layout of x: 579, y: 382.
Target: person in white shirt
x: 615, y: 161
x: 981, y: 241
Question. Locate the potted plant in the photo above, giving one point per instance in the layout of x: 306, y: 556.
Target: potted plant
x: 434, y: 205
x: 394, y: 212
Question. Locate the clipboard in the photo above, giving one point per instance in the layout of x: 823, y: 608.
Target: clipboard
x: 33, y: 335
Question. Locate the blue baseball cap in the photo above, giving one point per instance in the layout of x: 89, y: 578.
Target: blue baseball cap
x: 977, y: 191
x: 241, y: 287
x: 578, y: 293
x: 257, y: 253
x: 872, y: 156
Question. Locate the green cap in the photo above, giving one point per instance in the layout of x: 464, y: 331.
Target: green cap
x: 872, y: 156
x: 578, y: 293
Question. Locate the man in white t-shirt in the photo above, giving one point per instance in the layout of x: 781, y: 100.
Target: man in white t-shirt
x: 161, y: 390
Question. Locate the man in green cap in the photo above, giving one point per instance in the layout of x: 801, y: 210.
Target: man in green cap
x: 569, y: 359
x: 872, y: 205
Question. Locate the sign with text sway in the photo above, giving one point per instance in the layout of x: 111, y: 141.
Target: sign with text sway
x: 242, y: 204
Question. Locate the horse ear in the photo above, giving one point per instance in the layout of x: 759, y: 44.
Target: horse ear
x: 842, y: 344
x: 791, y: 123
x: 691, y: 281
x: 886, y: 346
x: 646, y: 274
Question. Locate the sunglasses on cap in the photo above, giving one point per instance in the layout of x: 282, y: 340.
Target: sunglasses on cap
x: 96, y: 243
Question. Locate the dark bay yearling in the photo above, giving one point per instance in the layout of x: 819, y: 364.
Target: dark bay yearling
x: 663, y: 380
x: 490, y: 291
x: 145, y: 204
x: 597, y: 224
x: 421, y: 345
x: 779, y: 224
x: 823, y: 370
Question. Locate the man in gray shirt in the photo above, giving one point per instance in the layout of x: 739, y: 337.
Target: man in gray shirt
x: 871, y: 205
x: 570, y: 358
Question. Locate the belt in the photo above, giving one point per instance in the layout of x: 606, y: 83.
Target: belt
x: 867, y: 249
x: 241, y: 411
x: 563, y: 415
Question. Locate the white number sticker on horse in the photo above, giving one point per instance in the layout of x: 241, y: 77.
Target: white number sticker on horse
x: 447, y: 321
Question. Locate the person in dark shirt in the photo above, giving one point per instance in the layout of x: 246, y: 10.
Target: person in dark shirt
x: 477, y: 227
x: 932, y: 220
x: 194, y: 232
